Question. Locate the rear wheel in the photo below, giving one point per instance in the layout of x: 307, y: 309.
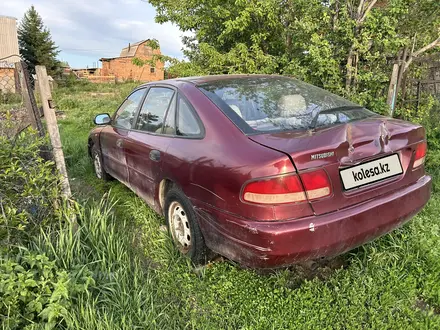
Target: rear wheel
x: 98, y: 166
x: 183, y: 226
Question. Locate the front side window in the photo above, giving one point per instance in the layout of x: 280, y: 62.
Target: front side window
x: 151, y: 116
x: 125, y: 116
x: 187, y: 124
x: 274, y: 103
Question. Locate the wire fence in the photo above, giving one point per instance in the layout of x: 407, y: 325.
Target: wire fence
x: 18, y: 108
x: 416, y: 90
x: 8, y: 79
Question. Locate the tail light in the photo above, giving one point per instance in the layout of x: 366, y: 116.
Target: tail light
x: 317, y: 184
x: 419, y: 159
x: 288, y: 188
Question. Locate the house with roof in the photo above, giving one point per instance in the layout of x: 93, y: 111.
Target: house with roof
x: 123, y: 69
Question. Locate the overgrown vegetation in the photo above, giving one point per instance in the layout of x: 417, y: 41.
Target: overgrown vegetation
x: 29, y: 190
x: 117, y: 268
x: 346, y: 46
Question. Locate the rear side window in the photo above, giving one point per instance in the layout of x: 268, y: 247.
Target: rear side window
x: 125, y: 116
x: 151, y: 116
x: 187, y: 124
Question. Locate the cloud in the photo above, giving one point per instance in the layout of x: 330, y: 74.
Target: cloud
x: 87, y: 30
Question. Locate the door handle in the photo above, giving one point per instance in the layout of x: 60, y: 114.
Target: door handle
x: 155, y: 155
x: 119, y: 143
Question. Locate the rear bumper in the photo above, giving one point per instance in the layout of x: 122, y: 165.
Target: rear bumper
x: 274, y: 244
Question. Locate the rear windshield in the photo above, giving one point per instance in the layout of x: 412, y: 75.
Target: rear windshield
x: 275, y: 103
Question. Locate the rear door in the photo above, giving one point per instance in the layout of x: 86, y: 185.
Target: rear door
x: 112, y: 137
x: 146, y: 144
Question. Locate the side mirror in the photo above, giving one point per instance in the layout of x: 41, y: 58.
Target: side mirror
x: 102, y: 119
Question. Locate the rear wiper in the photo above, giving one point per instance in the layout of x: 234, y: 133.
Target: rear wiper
x: 333, y: 110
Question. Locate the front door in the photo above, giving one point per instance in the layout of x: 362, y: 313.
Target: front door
x: 112, y: 137
x: 147, y: 143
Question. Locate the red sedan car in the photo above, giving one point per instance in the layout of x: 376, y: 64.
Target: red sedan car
x: 265, y: 170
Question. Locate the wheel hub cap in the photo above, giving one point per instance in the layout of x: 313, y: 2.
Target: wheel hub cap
x: 179, y: 226
x: 98, y: 168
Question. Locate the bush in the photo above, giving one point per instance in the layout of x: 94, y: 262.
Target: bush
x: 70, y: 80
x: 34, y: 290
x: 29, y: 188
x: 428, y: 115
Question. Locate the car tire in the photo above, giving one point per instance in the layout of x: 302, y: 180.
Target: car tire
x: 183, y: 226
x: 98, y: 165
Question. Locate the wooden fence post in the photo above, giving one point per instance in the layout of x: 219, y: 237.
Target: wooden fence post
x: 52, y: 127
x: 29, y: 98
x: 392, y: 92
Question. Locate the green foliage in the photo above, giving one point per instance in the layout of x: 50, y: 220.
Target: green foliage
x: 118, y: 289
x: 153, y: 43
x: 29, y: 188
x: 9, y: 98
x: 34, y: 290
x: 184, y: 69
x: 69, y: 80
x: 427, y: 115
x: 36, y: 45
x: 330, y: 44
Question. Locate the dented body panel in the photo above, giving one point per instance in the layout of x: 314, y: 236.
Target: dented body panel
x: 348, y: 145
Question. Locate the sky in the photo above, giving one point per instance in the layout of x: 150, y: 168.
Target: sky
x: 86, y: 30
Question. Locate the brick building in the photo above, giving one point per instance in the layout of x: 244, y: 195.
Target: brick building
x: 123, y: 69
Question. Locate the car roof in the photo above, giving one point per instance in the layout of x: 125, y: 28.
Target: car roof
x: 200, y: 80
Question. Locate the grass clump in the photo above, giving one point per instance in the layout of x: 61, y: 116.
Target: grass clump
x: 121, y: 288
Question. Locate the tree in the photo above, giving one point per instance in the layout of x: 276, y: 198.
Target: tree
x: 36, y: 45
x: 346, y: 46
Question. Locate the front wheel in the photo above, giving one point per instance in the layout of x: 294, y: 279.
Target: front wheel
x: 97, y: 165
x: 183, y: 226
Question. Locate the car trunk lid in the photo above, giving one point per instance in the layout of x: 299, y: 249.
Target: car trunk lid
x: 338, y: 147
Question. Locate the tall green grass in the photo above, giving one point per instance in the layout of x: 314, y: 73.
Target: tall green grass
x: 122, y: 290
